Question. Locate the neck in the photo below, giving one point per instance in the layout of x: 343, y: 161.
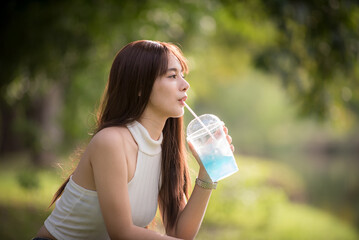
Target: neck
x: 153, y: 125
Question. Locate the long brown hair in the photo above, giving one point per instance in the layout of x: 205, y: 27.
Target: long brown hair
x: 133, y: 73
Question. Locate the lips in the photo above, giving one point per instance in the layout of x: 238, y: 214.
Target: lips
x: 182, y: 100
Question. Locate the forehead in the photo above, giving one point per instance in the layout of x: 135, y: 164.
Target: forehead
x: 173, y: 62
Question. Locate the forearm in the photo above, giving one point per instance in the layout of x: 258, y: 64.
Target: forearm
x: 135, y: 232
x: 190, y: 219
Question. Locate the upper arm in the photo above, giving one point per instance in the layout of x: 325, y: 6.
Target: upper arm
x: 108, y: 160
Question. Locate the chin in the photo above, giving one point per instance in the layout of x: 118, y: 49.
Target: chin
x: 178, y: 114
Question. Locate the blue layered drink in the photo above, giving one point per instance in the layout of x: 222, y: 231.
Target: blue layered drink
x: 219, y: 167
x: 209, y: 141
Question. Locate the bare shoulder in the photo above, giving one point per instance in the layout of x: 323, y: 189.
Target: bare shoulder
x: 112, y: 136
x: 112, y: 140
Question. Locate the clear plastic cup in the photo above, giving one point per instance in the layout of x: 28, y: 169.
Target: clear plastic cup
x: 212, y: 147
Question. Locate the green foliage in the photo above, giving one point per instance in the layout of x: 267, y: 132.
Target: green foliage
x: 311, y: 47
x: 250, y: 205
x: 12, y: 192
x: 73, y: 43
x: 254, y: 203
x: 28, y: 179
x: 68, y: 46
x: 20, y: 221
x: 23, y: 210
x: 303, y: 222
x: 316, y: 53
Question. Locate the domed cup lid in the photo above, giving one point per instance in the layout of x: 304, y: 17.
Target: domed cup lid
x: 195, y: 128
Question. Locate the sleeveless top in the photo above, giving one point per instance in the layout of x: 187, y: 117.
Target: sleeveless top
x: 77, y: 214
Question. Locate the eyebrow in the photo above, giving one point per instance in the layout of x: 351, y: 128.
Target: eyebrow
x: 172, y: 69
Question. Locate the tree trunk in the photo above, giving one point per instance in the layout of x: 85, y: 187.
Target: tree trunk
x: 8, y: 140
x: 46, y: 112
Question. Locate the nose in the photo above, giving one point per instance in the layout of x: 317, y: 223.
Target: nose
x: 184, y: 85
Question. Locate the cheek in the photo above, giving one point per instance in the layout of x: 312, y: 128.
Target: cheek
x: 163, y: 99
x: 163, y: 92
x: 159, y: 96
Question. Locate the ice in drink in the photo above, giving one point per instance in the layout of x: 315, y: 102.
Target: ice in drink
x: 207, y: 136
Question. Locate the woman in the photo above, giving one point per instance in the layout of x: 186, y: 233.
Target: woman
x: 136, y: 157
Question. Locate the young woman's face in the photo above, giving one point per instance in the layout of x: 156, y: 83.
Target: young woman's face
x: 169, y: 91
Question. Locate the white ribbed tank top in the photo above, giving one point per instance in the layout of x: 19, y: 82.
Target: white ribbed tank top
x: 144, y: 187
x: 77, y: 213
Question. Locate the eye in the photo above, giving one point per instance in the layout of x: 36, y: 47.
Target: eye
x: 173, y: 76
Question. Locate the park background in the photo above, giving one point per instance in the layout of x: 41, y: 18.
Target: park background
x: 282, y: 75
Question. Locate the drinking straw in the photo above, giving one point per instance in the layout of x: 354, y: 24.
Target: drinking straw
x: 199, y: 120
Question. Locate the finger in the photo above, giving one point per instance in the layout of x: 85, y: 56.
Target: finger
x: 194, y: 153
x: 232, y: 147
x: 225, y: 129
x: 218, y: 133
x: 190, y: 146
x: 229, y: 139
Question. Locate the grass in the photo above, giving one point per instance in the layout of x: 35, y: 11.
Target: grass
x: 264, y: 200
x: 25, y: 194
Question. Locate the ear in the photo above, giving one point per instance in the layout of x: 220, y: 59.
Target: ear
x: 139, y: 94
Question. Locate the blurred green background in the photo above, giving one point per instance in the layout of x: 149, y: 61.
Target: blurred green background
x: 282, y: 75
